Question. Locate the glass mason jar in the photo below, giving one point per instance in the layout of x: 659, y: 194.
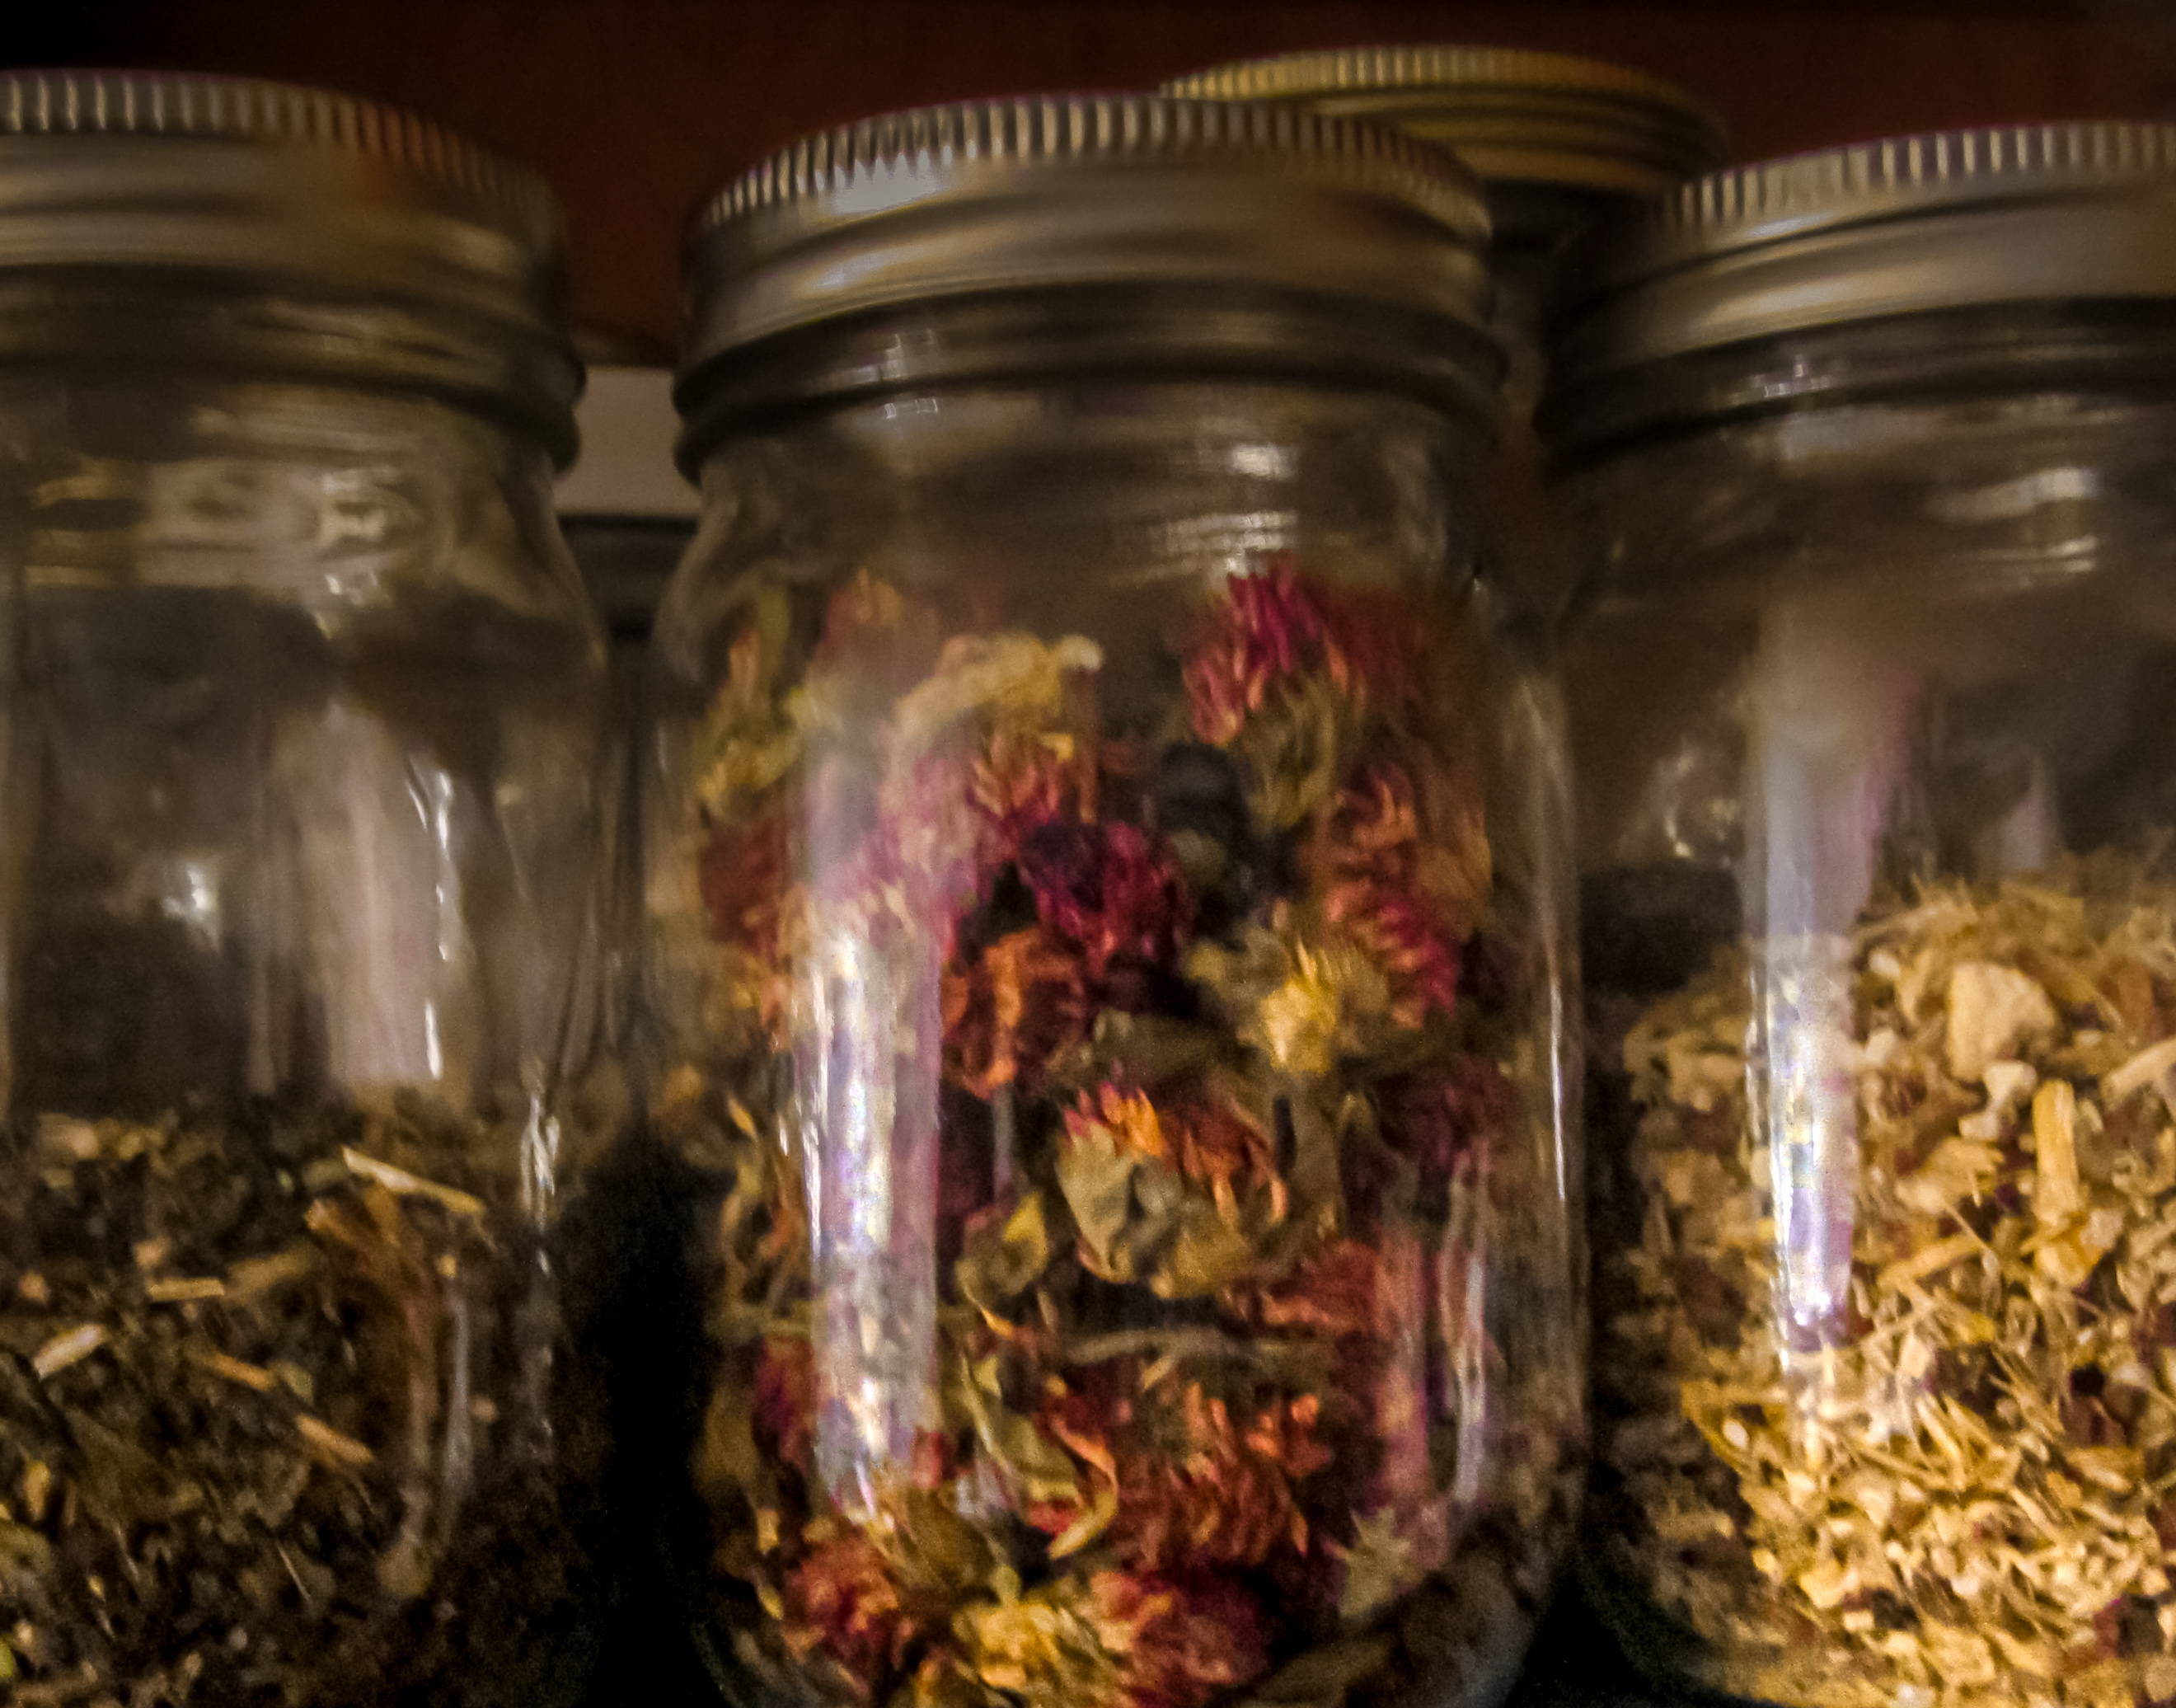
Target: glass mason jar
x: 1560, y: 144
x: 300, y: 804
x: 1876, y: 451
x: 1111, y: 974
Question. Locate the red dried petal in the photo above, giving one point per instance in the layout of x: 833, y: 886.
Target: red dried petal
x: 1464, y: 1111
x: 743, y: 875
x: 1194, y: 1485
x: 844, y: 1599
x: 1106, y: 888
x: 1179, y: 1641
x: 1265, y: 629
x: 1272, y: 626
x: 1333, y: 1292
x: 1402, y: 934
x: 785, y: 1400
x: 1011, y: 1009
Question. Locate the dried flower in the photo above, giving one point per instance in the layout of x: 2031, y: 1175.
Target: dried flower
x: 1105, y: 888
x: 1010, y: 1008
x: 1197, y: 1182
x: 786, y: 1398
x: 1268, y: 632
x: 844, y: 1599
x: 1304, y: 997
x: 1115, y: 1640
x: 1400, y: 934
x: 1334, y: 1291
x: 1193, y: 1483
x: 1466, y: 1109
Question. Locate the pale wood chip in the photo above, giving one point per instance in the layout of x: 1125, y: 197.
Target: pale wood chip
x: 253, y: 1376
x: 328, y: 1444
x: 255, y: 1276
x: 175, y: 1290
x: 1929, y: 1260
x: 69, y: 1346
x: 2143, y: 1069
x: 402, y: 1182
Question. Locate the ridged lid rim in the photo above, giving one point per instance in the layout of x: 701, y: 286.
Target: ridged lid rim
x: 2082, y: 211
x: 1437, y: 65
x: 1027, y: 133
x: 1522, y: 113
x: 443, y: 265
x: 1739, y: 207
x: 191, y: 106
x: 1229, y: 207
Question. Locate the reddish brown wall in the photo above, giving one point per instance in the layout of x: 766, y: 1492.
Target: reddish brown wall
x: 634, y: 107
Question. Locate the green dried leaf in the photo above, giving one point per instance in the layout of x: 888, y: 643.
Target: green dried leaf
x: 941, y: 1681
x: 1296, y: 750
x: 1325, y: 1676
x: 1097, y: 1179
x: 1092, y: 1523
x: 1207, y: 1255
x: 24, y: 1557
x: 726, y: 1457
x: 935, y: 1547
x: 1382, y: 1567
x: 1002, y: 1260
x: 1036, y: 1467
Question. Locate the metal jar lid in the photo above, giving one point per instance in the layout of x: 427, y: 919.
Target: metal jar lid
x: 1522, y: 120
x: 290, y: 206
x: 2032, y: 215
x: 1031, y: 197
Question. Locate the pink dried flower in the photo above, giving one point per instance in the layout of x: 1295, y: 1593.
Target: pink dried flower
x: 1107, y: 887
x: 743, y: 877
x: 1266, y: 629
x: 1464, y: 1111
x: 1402, y: 934
x: 1207, y: 1142
x: 1334, y: 1291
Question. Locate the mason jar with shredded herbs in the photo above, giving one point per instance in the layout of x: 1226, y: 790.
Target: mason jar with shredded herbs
x: 297, y: 876
x: 1871, y: 695
x: 1966, y: 1476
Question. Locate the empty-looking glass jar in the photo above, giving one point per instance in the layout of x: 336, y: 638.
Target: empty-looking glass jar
x: 1874, y: 693
x: 1111, y: 974
x: 297, y: 858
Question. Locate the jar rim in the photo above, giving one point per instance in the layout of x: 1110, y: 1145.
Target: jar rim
x: 2017, y: 217
x: 1065, y: 193
x: 1118, y: 334
x: 1518, y: 116
x: 215, y: 185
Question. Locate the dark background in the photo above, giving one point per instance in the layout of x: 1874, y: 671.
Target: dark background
x: 634, y: 108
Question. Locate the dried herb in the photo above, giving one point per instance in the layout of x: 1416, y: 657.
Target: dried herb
x: 1112, y: 1132
x: 1956, y: 1483
x: 255, y: 1387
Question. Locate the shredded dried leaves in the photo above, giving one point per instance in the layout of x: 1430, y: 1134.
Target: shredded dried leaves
x: 1959, y: 1485
x: 1113, y: 1141
x: 249, y: 1370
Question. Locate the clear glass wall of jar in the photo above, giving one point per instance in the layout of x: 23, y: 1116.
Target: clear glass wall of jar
x: 1113, y: 981
x: 299, y: 855
x: 1560, y: 142
x: 1871, y: 696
